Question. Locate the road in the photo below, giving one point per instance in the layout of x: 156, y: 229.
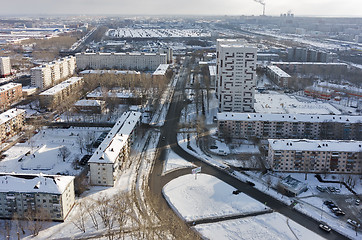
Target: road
x: 169, y: 133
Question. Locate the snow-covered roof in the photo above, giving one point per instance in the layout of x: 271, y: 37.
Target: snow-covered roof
x: 8, y: 86
x: 10, y: 114
x: 278, y: 71
x: 309, y: 63
x: 161, y: 70
x: 119, y: 54
x: 123, y: 72
x: 233, y: 116
x: 34, y: 183
x: 315, y: 145
x: 108, y: 150
x: 61, y: 86
x: 93, y: 103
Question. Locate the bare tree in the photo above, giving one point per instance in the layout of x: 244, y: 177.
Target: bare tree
x: 64, y: 153
x: 36, y: 220
x: 90, y: 208
x: 80, y: 219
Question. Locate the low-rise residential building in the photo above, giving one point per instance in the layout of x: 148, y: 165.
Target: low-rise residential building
x: 108, y: 160
x: 61, y: 92
x: 90, y: 106
x: 278, y: 76
x: 319, y: 156
x: 251, y: 125
x: 318, y: 92
x: 11, y: 122
x: 160, y: 72
x: 5, y: 66
x: 9, y: 94
x: 133, y: 61
x: 36, y: 196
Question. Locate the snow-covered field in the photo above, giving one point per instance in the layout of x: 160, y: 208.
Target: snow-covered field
x: 174, y: 161
x: 207, y: 197
x: 272, y: 226
x: 41, y: 152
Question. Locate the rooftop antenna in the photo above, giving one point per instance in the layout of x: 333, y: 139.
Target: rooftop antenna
x: 262, y: 3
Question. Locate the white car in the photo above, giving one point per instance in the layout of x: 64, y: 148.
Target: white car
x: 325, y: 227
x: 353, y: 223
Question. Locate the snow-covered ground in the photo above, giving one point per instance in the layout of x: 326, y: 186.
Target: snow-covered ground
x: 207, y: 197
x: 174, y: 161
x: 41, y: 152
x: 272, y: 226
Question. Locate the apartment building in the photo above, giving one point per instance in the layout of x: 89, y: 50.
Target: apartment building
x: 36, y: 196
x: 90, y: 106
x: 52, y: 73
x: 280, y: 77
x: 9, y: 94
x: 11, y: 122
x: 319, y: 156
x: 61, y: 92
x: 236, y: 72
x: 5, y: 66
x: 107, y: 161
x: 132, y: 61
x: 249, y: 125
x: 161, y: 72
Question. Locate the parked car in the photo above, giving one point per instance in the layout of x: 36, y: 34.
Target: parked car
x: 325, y: 227
x: 321, y: 188
x: 353, y: 223
x: 357, y: 202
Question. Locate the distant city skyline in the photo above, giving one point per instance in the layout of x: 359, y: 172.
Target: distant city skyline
x: 337, y: 8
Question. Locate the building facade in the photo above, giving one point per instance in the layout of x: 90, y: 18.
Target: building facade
x: 126, y: 61
x: 280, y: 77
x: 236, y: 72
x: 108, y: 160
x: 52, y: 73
x: 5, y: 66
x: 11, y: 122
x: 9, y: 94
x: 36, y: 196
x: 251, y: 125
x: 61, y: 92
x: 319, y: 156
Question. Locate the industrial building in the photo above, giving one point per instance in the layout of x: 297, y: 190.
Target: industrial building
x: 319, y: 156
x: 236, y: 72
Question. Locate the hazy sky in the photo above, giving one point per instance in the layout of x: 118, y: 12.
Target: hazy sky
x: 191, y: 7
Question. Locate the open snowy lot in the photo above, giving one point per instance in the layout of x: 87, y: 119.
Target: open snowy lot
x: 42, y: 152
x: 273, y: 226
x: 174, y: 161
x: 207, y: 197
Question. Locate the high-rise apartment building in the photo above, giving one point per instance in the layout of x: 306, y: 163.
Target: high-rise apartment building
x: 5, y: 66
x: 236, y: 70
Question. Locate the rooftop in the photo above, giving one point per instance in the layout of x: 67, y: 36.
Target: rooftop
x: 8, y: 86
x: 61, y: 86
x: 34, y: 183
x: 85, y: 102
x: 10, y: 114
x: 109, y: 149
x: 278, y: 71
x: 161, y: 70
x: 233, y: 116
x: 315, y: 145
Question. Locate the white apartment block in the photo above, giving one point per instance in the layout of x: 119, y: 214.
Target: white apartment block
x: 37, y: 196
x: 126, y: 61
x: 5, y: 66
x: 249, y: 125
x: 11, y: 122
x: 319, y: 156
x: 107, y: 161
x: 236, y: 73
x: 50, y: 74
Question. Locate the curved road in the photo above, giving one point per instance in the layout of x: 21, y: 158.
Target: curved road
x: 169, y: 134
